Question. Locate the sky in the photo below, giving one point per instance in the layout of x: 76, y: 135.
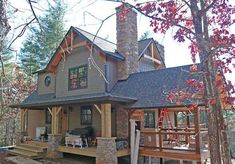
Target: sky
x: 87, y: 15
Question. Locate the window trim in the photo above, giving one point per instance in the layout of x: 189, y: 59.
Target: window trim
x: 86, y: 107
x: 78, y: 78
x: 154, y: 118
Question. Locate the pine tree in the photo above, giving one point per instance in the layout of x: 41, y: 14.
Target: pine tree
x: 40, y: 45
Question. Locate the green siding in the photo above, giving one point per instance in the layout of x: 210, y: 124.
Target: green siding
x: 78, y: 57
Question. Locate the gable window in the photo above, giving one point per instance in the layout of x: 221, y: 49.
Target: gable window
x: 86, y: 115
x: 149, y: 119
x: 78, y: 77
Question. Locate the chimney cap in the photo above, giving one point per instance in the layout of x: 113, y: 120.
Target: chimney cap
x: 127, y: 6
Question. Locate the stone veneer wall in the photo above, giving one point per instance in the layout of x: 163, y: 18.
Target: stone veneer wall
x: 122, y: 122
x: 106, y: 152
x: 127, y: 43
x: 53, y: 143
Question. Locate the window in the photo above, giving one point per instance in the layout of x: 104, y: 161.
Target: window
x: 149, y: 119
x: 47, y: 81
x: 86, y: 115
x: 78, y: 77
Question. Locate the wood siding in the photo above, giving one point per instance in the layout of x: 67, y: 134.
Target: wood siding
x: 36, y: 118
x: 42, y: 89
x: 79, y: 57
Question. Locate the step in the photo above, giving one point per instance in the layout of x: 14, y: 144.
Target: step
x: 38, y: 143
x: 40, y: 148
x: 23, y: 153
x: 30, y: 149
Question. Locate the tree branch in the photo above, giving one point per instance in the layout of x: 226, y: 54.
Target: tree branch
x: 21, y: 33
x: 130, y: 6
x: 34, y: 14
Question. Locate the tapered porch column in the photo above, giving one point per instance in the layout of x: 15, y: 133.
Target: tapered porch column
x: 54, y: 139
x: 106, y: 120
x: 22, y: 120
x: 106, y: 152
x: 54, y: 111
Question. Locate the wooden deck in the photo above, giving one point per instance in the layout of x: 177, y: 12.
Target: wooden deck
x: 175, y: 154
x: 89, y: 151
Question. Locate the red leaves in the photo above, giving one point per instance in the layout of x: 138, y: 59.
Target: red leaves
x: 212, y: 101
x: 193, y: 68
x: 194, y: 51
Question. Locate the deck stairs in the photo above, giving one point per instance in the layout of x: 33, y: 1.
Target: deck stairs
x: 32, y: 149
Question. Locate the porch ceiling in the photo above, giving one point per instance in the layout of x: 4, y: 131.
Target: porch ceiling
x: 47, y: 100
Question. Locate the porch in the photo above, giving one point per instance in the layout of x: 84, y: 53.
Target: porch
x: 70, y: 121
x: 90, y: 151
x: 175, y: 133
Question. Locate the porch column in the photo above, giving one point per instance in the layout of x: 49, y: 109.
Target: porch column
x: 106, y: 120
x: 54, y: 111
x: 22, y: 120
x: 54, y: 139
x: 106, y: 152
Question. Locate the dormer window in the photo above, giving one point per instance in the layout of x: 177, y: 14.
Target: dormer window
x: 78, y: 77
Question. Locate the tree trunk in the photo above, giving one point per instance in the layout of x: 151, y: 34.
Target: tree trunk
x: 216, y: 127
x: 4, y: 26
x: 226, y: 156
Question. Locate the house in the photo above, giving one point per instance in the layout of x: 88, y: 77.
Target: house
x: 91, y: 82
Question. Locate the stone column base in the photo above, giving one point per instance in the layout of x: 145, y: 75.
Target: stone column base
x: 53, y: 143
x: 106, y: 152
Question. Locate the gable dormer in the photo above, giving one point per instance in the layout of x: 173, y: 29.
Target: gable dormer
x: 151, y: 55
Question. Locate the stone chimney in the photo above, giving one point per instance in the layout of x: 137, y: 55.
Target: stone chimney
x: 127, y: 43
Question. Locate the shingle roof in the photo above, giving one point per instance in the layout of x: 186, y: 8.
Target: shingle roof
x: 104, y: 45
x: 37, y: 101
x: 143, y: 44
x: 150, y: 87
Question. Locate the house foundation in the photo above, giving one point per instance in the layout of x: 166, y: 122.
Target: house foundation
x: 106, y: 150
x: 54, y: 141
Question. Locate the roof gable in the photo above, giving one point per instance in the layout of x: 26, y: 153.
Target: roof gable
x: 104, y: 47
x: 156, y: 49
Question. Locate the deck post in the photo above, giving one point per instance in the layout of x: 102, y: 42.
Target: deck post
x: 188, y: 126
x: 106, y: 152
x: 197, y: 130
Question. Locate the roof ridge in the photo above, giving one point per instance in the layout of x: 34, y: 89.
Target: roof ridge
x: 162, y: 69
x: 145, y: 39
x: 94, y: 35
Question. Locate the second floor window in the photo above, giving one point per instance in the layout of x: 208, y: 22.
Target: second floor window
x: 78, y: 77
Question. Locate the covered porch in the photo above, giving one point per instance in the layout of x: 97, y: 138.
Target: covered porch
x: 66, y: 117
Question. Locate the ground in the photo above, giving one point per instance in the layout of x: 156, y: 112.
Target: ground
x: 3, y: 160
x: 69, y: 159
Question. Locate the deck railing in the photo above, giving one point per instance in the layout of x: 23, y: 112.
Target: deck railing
x: 175, y: 139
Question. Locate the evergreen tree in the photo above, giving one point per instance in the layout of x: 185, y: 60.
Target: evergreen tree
x: 41, y: 43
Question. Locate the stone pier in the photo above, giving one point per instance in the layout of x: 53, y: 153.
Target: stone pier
x: 54, y: 141
x: 106, y: 152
